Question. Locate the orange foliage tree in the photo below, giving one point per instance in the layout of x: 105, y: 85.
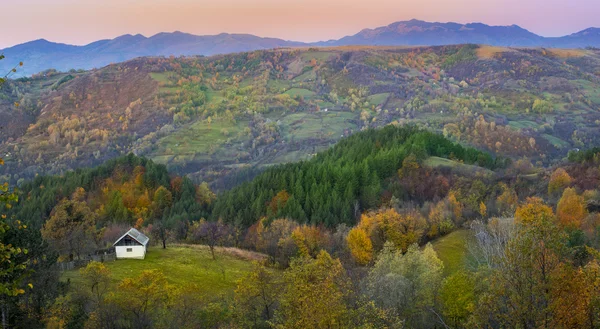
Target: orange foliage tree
x: 558, y: 181
x: 571, y: 209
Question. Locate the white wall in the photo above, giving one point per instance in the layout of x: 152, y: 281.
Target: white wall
x: 138, y: 252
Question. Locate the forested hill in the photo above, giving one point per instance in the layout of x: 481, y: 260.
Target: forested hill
x: 125, y: 191
x: 336, y: 185
x: 333, y: 187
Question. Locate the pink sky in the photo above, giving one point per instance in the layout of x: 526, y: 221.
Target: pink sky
x: 84, y: 21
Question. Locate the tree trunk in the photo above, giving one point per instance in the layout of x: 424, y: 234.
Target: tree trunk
x: 212, y: 251
x: 164, y: 242
x: 4, y: 316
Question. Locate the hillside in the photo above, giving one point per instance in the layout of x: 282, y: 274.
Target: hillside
x: 224, y: 118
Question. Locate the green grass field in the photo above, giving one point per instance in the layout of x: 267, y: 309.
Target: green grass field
x: 377, y: 99
x: 523, y: 124
x: 557, y: 142
x: 183, y: 266
x: 328, y: 125
x: 452, y: 250
x: 199, y: 137
x: 436, y: 162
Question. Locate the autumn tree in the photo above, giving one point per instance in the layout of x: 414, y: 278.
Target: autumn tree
x: 360, y: 245
x: 388, y: 225
x: 161, y: 225
x: 71, y: 229
x: 313, y: 294
x: 256, y: 297
x: 406, y: 283
x: 571, y: 209
x: 576, y: 296
x: 523, y: 279
x: 142, y: 299
x: 559, y: 180
x: 507, y: 200
x: 310, y: 240
x: 96, y: 279
x: 457, y: 295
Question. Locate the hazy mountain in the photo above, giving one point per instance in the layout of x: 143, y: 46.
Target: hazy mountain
x: 416, y: 32
x: 41, y: 54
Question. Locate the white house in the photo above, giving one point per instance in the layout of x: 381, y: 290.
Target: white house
x: 131, y: 245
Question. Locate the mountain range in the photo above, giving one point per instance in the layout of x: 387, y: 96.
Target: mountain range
x: 41, y: 54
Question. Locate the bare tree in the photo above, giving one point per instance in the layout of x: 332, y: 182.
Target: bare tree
x: 211, y: 234
x: 490, y: 240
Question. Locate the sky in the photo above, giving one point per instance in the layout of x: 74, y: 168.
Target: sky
x: 83, y: 21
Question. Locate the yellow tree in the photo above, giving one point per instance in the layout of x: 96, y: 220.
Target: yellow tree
x: 71, y: 229
x: 558, y: 181
x: 507, y: 201
x: 533, y: 209
x: 143, y: 298
x: 571, y: 209
x: 256, y: 296
x: 313, y: 294
x: 360, y: 246
x: 576, y: 296
x: 458, y: 297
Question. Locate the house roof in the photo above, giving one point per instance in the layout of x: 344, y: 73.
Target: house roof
x: 136, y: 235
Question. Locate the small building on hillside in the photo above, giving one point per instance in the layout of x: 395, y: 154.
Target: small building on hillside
x: 131, y: 245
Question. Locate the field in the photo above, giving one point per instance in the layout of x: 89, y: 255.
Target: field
x: 184, y: 266
x: 437, y: 162
x: 452, y: 250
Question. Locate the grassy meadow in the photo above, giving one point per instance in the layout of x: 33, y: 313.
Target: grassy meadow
x: 190, y: 266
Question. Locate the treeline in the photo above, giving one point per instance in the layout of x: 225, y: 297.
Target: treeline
x: 337, y: 185
x: 120, y: 191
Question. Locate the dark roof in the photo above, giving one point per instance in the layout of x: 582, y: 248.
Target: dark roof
x: 136, y: 235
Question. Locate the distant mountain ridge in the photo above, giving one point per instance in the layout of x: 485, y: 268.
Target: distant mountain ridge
x: 416, y: 32
x: 41, y: 54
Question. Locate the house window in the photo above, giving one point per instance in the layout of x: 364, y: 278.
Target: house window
x: 129, y: 249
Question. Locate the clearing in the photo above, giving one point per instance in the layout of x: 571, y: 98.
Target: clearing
x: 185, y: 265
x: 452, y: 250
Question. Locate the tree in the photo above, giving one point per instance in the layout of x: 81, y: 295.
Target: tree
x: 507, y: 201
x: 576, y: 296
x: 162, y: 200
x: 360, y: 246
x: 204, y: 195
x: 96, y: 279
x: 142, y: 298
x: 532, y: 211
x: 313, y: 294
x: 71, y: 229
x: 524, y: 277
x: 406, y: 284
x: 571, y: 209
x: 457, y: 295
x: 558, y: 181
x: 256, y: 296
x: 210, y: 233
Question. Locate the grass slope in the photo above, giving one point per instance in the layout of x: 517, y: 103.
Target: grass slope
x: 452, y: 250
x: 183, y: 266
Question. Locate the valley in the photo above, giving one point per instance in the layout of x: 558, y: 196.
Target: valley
x: 223, y: 118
